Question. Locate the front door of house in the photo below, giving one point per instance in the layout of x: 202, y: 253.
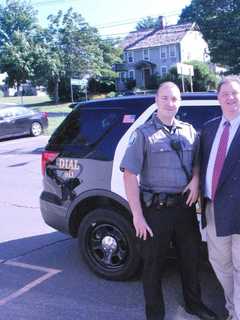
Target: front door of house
x: 146, y: 77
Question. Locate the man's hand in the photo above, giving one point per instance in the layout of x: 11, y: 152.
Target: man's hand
x: 141, y: 227
x: 132, y: 192
x: 193, y: 191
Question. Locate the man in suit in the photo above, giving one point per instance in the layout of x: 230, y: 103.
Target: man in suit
x: 220, y: 183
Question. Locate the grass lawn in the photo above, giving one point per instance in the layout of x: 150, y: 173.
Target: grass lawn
x: 56, y: 112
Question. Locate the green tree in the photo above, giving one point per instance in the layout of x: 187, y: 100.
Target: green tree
x: 17, y: 26
x: 219, y: 21
x: 147, y: 23
x: 79, y: 50
x: 16, y: 59
x: 111, y: 55
x: 66, y: 49
x: 16, y: 15
x: 203, y: 79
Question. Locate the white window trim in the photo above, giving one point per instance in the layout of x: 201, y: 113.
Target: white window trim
x: 175, y: 51
x: 166, y: 52
x: 144, y: 58
x: 134, y: 77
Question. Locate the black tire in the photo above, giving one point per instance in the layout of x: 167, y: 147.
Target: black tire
x: 107, y: 244
x: 36, y: 129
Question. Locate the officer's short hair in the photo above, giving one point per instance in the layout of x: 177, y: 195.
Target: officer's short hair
x: 167, y: 84
x: 228, y: 79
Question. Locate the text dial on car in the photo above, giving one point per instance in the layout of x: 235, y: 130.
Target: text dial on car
x: 72, y: 167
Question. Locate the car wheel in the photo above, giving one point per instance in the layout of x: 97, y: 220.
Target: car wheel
x: 36, y: 129
x: 107, y: 243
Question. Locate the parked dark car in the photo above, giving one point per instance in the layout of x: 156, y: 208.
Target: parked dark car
x: 17, y: 121
x: 83, y: 193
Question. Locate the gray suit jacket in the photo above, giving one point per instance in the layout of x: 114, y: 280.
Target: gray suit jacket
x: 227, y: 199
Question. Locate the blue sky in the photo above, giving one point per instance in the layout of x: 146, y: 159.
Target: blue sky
x: 105, y: 13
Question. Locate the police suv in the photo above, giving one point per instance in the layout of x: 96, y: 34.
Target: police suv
x: 83, y: 193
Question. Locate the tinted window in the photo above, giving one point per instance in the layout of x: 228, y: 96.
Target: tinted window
x: 197, y: 115
x: 89, y: 133
x: 94, y: 132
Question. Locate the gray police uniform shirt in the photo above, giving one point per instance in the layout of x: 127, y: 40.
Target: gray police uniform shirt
x: 150, y: 155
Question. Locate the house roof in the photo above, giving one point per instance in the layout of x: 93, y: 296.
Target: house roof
x: 156, y: 37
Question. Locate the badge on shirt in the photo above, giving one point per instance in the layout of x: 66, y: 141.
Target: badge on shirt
x: 132, y: 138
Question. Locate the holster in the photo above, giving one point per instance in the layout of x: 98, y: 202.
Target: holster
x: 147, y: 198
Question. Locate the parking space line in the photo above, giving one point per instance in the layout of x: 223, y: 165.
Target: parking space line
x: 49, y: 273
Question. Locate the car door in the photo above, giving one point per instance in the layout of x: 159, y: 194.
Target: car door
x: 22, y: 120
x: 7, y: 127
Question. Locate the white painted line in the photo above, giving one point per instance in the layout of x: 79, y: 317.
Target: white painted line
x: 30, y: 266
x: 49, y: 273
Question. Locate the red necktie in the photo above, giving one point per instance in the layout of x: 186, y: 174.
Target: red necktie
x: 220, y: 157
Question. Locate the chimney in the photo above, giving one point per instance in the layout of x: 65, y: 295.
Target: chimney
x: 161, y: 22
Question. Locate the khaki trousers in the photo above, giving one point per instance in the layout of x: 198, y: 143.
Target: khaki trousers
x: 224, y: 255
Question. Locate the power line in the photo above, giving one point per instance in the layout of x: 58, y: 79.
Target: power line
x: 113, y: 23
x: 40, y: 3
x: 130, y: 21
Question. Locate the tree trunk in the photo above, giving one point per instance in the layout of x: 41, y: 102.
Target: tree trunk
x: 56, y: 93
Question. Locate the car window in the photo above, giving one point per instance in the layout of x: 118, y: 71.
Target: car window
x: 90, y: 132
x: 6, y: 113
x: 198, y: 115
x: 20, y: 111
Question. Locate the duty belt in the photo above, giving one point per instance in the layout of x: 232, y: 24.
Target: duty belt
x: 162, y: 199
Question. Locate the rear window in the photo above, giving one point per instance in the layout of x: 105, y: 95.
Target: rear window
x: 88, y: 133
x: 94, y: 131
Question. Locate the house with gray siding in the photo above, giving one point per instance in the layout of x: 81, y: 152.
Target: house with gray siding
x: 155, y: 51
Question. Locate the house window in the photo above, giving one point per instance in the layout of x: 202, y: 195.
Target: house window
x: 172, y: 51
x: 130, y: 56
x: 122, y: 75
x: 131, y: 74
x: 163, y: 52
x: 164, y: 71
x: 125, y: 56
x: 145, y: 54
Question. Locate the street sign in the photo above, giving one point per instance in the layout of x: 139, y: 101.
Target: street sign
x: 185, y: 69
x: 76, y: 82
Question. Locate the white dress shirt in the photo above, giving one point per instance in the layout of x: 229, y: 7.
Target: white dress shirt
x: 234, y: 124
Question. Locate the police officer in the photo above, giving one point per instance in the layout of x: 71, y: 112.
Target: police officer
x: 163, y: 153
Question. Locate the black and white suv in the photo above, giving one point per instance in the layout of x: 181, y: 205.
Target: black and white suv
x: 83, y: 193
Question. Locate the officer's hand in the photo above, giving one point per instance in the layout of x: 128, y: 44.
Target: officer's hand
x: 141, y: 227
x: 193, y: 190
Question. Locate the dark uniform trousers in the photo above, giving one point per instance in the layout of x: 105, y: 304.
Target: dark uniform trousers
x: 181, y: 223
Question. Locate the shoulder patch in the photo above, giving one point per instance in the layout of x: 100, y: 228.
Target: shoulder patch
x: 132, y: 138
